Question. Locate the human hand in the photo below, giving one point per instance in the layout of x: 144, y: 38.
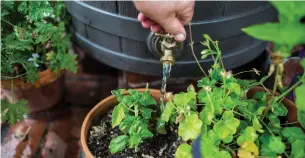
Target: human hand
x: 166, y: 16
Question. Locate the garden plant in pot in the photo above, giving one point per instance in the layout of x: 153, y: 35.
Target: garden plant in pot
x: 226, y: 117
x: 34, y: 57
x: 267, y: 128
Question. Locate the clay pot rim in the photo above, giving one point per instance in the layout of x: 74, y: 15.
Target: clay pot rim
x: 22, y: 84
x: 95, y: 111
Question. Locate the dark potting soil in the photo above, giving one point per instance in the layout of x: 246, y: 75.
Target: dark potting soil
x: 101, y: 133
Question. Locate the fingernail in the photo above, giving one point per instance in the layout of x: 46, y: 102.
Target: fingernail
x: 179, y: 37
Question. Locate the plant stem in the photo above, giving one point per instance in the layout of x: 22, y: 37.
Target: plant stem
x: 12, y: 88
x: 192, y: 50
x: 8, y: 77
x: 270, y: 102
x: 289, y: 123
x: 243, y: 72
x: 8, y: 22
x: 235, y: 112
x: 276, y: 81
x: 289, y: 90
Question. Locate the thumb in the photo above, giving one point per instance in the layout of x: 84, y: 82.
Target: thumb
x: 176, y: 28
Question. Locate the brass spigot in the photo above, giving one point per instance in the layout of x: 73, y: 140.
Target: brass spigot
x: 167, y: 45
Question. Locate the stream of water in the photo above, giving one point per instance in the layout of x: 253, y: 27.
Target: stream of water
x: 166, y: 73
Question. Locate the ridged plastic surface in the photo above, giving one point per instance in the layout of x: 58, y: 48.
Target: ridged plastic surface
x: 110, y: 32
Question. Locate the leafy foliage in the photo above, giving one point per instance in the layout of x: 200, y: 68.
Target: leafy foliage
x: 286, y: 33
x: 221, y: 111
x: 34, y: 27
x: 13, y: 112
x: 132, y: 115
x: 33, y: 38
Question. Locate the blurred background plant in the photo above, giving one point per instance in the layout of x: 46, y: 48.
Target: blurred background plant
x: 33, y: 39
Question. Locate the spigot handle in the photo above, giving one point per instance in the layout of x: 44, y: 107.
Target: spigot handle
x: 164, y: 35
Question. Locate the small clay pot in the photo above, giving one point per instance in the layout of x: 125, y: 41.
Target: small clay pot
x: 44, y: 94
x: 100, y: 109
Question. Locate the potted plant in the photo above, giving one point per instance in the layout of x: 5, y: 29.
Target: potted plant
x: 265, y: 133
x: 34, y: 57
x: 232, y: 117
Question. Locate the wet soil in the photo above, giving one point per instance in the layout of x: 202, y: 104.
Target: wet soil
x: 101, y: 133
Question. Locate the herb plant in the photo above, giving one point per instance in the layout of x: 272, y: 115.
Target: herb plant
x: 33, y: 39
x: 285, y: 34
x: 132, y: 115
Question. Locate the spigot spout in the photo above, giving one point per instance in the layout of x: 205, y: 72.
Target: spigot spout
x: 168, y: 57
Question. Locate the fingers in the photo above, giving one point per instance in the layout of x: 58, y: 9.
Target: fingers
x: 156, y: 28
x: 176, y: 28
x: 171, y: 25
x: 148, y: 23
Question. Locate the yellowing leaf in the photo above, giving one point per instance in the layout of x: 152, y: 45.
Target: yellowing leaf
x: 248, y: 149
x: 117, y: 115
x: 190, y: 127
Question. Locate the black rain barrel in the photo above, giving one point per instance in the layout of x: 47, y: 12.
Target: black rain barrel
x: 110, y: 32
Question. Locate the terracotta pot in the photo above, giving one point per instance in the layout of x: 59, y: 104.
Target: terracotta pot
x: 100, y: 109
x: 42, y: 95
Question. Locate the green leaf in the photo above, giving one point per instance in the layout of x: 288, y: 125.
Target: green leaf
x: 300, y: 99
x: 242, y: 125
x: 182, y: 99
x: 293, y: 134
x: 248, y: 135
x: 184, y: 151
x: 207, y: 115
x: 229, y: 139
x: 227, y: 126
x: 126, y: 123
x: 146, y: 133
x: 257, y: 126
x: 161, y: 127
x: 117, y: 115
x: 190, y: 127
x: 301, y: 117
x: 167, y: 112
x: 290, y: 34
x: 290, y: 11
x: 205, y: 82
x: 279, y: 109
x: 298, y: 149
x: 135, y: 140
x: 272, y: 145
x: 146, y: 113
x: 118, y: 93
x: 13, y: 112
x: 233, y: 87
x: 118, y: 144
